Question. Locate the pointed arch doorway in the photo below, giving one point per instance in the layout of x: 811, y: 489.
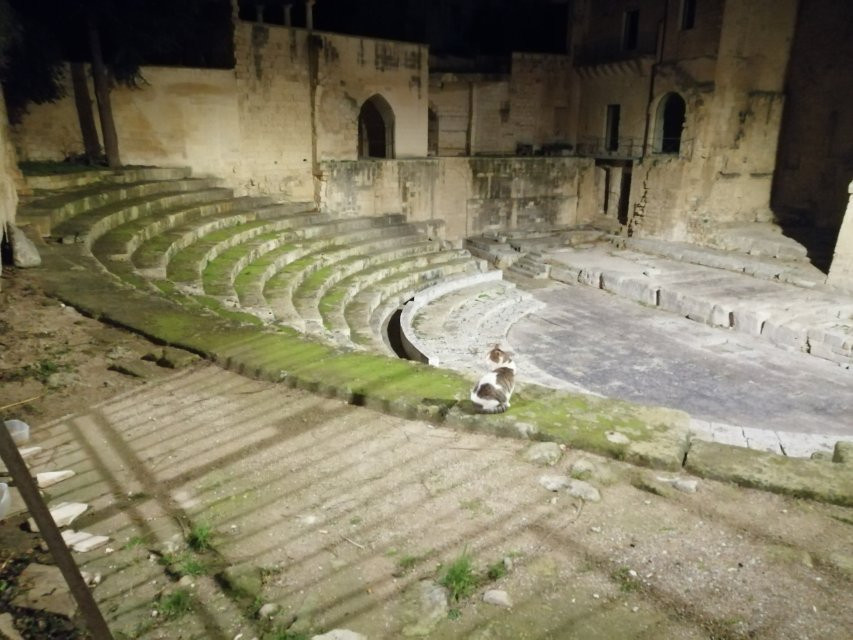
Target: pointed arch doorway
x: 376, y: 128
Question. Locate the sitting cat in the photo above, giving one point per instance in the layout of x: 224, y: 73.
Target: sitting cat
x: 493, y: 391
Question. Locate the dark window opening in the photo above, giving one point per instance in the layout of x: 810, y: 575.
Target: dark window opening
x: 671, y: 115
x: 688, y: 14
x: 376, y: 129
x: 611, y: 135
x: 432, y: 133
x: 624, y: 196
x: 631, y: 30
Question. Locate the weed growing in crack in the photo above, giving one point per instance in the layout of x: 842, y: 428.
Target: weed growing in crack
x: 199, y: 538
x: 175, y: 604
x: 626, y: 581
x: 459, y: 578
x: 496, y: 571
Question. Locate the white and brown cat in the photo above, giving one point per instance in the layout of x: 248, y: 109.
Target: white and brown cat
x: 493, y: 391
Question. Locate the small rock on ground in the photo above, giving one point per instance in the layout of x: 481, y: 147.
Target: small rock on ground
x: 582, y: 469
x: 544, y: 453
x: 554, y: 483
x: 498, y: 598
x: 24, y: 252
x: 584, y: 490
x: 268, y: 610
x: 617, y: 438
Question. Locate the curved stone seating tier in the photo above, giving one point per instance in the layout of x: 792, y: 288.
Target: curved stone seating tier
x: 154, y: 254
x: 331, y: 306
x: 68, y: 181
x: 122, y: 241
x: 279, y: 288
x: 220, y: 273
x: 307, y: 296
x: 252, y: 260
x: 455, y: 329
x: 362, y: 318
x: 107, y: 201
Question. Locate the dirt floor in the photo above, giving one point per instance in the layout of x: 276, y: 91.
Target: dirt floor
x: 240, y: 509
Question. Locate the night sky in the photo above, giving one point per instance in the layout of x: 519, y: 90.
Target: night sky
x: 450, y: 27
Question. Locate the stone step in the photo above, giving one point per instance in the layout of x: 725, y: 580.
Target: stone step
x: 793, y: 271
x: 49, y: 212
x: 125, y: 239
x: 758, y: 239
x: 72, y: 179
x: 91, y: 225
x: 251, y: 282
x: 306, y: 297
x: 719, y: 298
x: 239, y: 246
x: 366, y: 313
x: 430, y: 308
x: 154, y: 254
x: 266, y: 286
x: 331, y: 307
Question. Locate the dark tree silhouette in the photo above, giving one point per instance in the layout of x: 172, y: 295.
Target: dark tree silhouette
x: 115, y: 37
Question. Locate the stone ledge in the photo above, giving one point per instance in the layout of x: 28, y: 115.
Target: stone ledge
x: 815, y: 479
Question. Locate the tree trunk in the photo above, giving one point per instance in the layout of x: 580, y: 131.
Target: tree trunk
x: 102, y: 94
x: 91, y: 143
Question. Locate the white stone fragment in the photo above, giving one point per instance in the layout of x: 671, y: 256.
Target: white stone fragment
x: 63, y: 514
x: 50, y: 478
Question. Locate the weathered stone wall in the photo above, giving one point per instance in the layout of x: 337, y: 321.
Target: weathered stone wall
x: 623, y: 84
x: 273, y: 100
x: 815, y: 161
x: 540, y: 98
x: 351, y: 70
x: 471, y: 195
x: 450, y: 99
x: 841, y: 271
x: 724, y: 171
x: 253, y: 126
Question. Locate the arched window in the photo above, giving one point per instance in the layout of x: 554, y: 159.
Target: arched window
x: 670, y: 123
x: 376, y: 129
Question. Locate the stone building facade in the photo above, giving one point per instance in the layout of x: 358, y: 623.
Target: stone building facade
x: 678, y: 119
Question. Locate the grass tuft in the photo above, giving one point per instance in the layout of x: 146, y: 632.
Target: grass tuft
x: 199, y: 538
x: 175, y: 604
x: 459, y: 578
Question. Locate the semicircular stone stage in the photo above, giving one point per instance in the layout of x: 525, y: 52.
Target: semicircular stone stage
x: 338, y: 279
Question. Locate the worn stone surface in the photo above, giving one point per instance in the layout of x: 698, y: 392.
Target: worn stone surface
x: 340, y: 634
x: 583, y: 490
x: 814, y: 479
x: 425, y: 606
x: 43, y: 588
x: 843, y: 452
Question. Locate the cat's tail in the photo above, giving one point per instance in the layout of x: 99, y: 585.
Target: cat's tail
x: 496, y: 409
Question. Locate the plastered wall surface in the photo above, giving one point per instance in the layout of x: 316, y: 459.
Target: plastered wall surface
x: 471, y: 195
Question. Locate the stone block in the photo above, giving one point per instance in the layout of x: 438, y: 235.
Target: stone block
x: 630, y: 287
x: 797, y: 477
x: 843, y: 452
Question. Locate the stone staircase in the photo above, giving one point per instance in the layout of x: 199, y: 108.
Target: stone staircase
x: 251, y: 259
